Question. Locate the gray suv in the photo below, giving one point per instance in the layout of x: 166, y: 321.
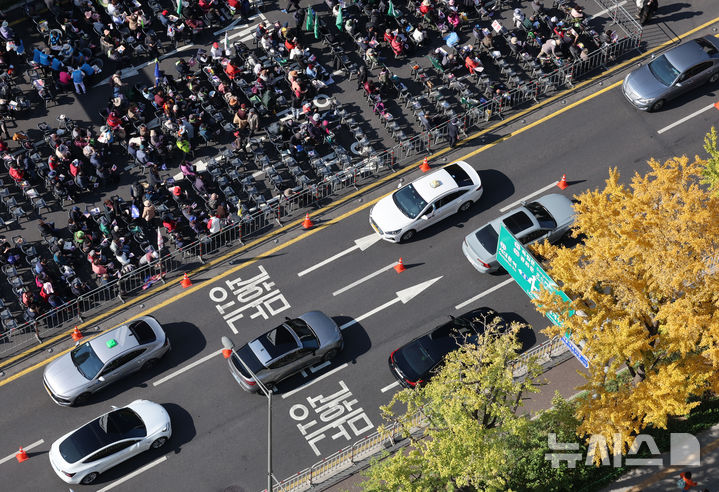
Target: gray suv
x: 285, y: 350
x: 73, y: 377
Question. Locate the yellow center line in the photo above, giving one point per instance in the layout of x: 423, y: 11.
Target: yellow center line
x: 338, y: 203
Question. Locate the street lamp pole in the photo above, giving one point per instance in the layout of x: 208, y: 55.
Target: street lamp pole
x: 227, y: 344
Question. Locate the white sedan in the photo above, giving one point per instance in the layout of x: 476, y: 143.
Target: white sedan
x: 81, y: 455
x: 425, y: 201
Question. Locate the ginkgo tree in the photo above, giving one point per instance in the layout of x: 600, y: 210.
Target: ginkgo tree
x: 644, y: 287
x: 472, y: 424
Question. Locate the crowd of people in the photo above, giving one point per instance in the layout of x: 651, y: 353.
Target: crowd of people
x: 157, y: 128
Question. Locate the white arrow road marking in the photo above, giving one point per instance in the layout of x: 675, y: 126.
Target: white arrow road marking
x: 482, y: 294
x: 310, y: 383
x: 403, y: 296
x: 133, y: 474
x: 364, y: 279
x: 360, y: 244
x: 390, y: 386
x: 26, y: 448
x: 186, y: 368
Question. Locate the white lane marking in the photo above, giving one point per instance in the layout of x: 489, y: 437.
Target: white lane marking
x: 316, y: 368
x: 26, y: 448
x: 318, y: 378
x: 602, y: 12
x: 403, y: 296
x: 517, y: 202
x: 390, y: 386
x: 686, y: 118
x: 186, y: 368
x: 362, y: 244
x: 133, y: 474
x: 488, y: 291
x: 364, y: 279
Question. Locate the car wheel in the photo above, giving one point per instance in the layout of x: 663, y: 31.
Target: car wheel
x: 330, y: 355
x: 657, y: 105
x: 149, y: 364
x: 714, y: 78
x: 407, y: 236
x: 465, y: 207
x: 82, y: 399
x: 159, y: 442
x: 89, y: 478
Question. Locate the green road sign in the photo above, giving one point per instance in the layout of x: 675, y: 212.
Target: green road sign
x: 531, y: 277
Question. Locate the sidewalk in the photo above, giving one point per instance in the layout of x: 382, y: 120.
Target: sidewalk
x: 649, y: 479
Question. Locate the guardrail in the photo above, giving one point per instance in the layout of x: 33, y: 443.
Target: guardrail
x: 368, y: 168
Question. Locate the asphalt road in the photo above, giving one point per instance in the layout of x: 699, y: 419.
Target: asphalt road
x: 219, y: 438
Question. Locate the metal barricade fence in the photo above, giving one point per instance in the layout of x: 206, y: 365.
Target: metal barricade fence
x: 253, y: 223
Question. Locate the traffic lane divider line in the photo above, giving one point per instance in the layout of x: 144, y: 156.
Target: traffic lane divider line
x: 527, y: 197
x: 26, y: 448
x: 389, y: 387
x: 310, y: 383
x: 186, y: 368
x: 410, y: 167
x: 482, y: 294
x: 686, y: 118
x: 185, y: 292
x: 133, y: 474
x: 364, y: 279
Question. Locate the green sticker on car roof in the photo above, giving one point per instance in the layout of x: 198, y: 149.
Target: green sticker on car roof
x: 111, y: 343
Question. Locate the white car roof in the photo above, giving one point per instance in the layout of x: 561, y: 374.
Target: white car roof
x: 439, y: 182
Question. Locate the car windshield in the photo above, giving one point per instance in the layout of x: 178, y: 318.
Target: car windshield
x: 459, y: 175
x: 86, y: 360
x: 545, y: 219
x: 409, y: 202
x: 119, y: 424
x: 663, y: 70
x: 488, y: 238
x: 304, y: 333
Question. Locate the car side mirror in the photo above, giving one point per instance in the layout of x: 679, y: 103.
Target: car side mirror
x: 425, y: 217
x: 678, y: 84
x: 101, y: 379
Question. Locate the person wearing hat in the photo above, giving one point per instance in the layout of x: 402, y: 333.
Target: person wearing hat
x: 149, y: 212
x: 216, y: 51
x: 452, y: 133
x: 240, y: 118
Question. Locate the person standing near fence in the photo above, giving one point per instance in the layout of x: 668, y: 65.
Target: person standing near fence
x: 452, y: 133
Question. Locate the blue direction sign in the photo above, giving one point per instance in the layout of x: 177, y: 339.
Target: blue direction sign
x: 531, y: 277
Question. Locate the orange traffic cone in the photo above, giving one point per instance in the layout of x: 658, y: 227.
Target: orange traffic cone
x: 399, y: 267
x: 307, y: 223
x: 76, y: 335
x: 716, y: 105
x: 186, y: 282
x: 21, y: 455
x: 226, y: 353
x: 424, y: 167
x: 563, y: 182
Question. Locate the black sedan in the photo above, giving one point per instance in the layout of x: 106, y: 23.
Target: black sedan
x: 415, y: 362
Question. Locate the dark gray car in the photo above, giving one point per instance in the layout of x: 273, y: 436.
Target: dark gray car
x: 287, y: 349
x: 673, y: 73
x: 548, y: 217
x: 73, y: 377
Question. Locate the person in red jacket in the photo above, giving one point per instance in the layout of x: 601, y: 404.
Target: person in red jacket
x: 688, y: 482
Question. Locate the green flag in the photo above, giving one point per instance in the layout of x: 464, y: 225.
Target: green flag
x: 179, y: 7
x: 308, y: 21
x: 390, y: 10
x: 317, y: 29
x: 339, y: 20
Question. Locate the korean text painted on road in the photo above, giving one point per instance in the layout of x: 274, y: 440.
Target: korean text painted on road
x: 334, y: 412
x: 257, y: 293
